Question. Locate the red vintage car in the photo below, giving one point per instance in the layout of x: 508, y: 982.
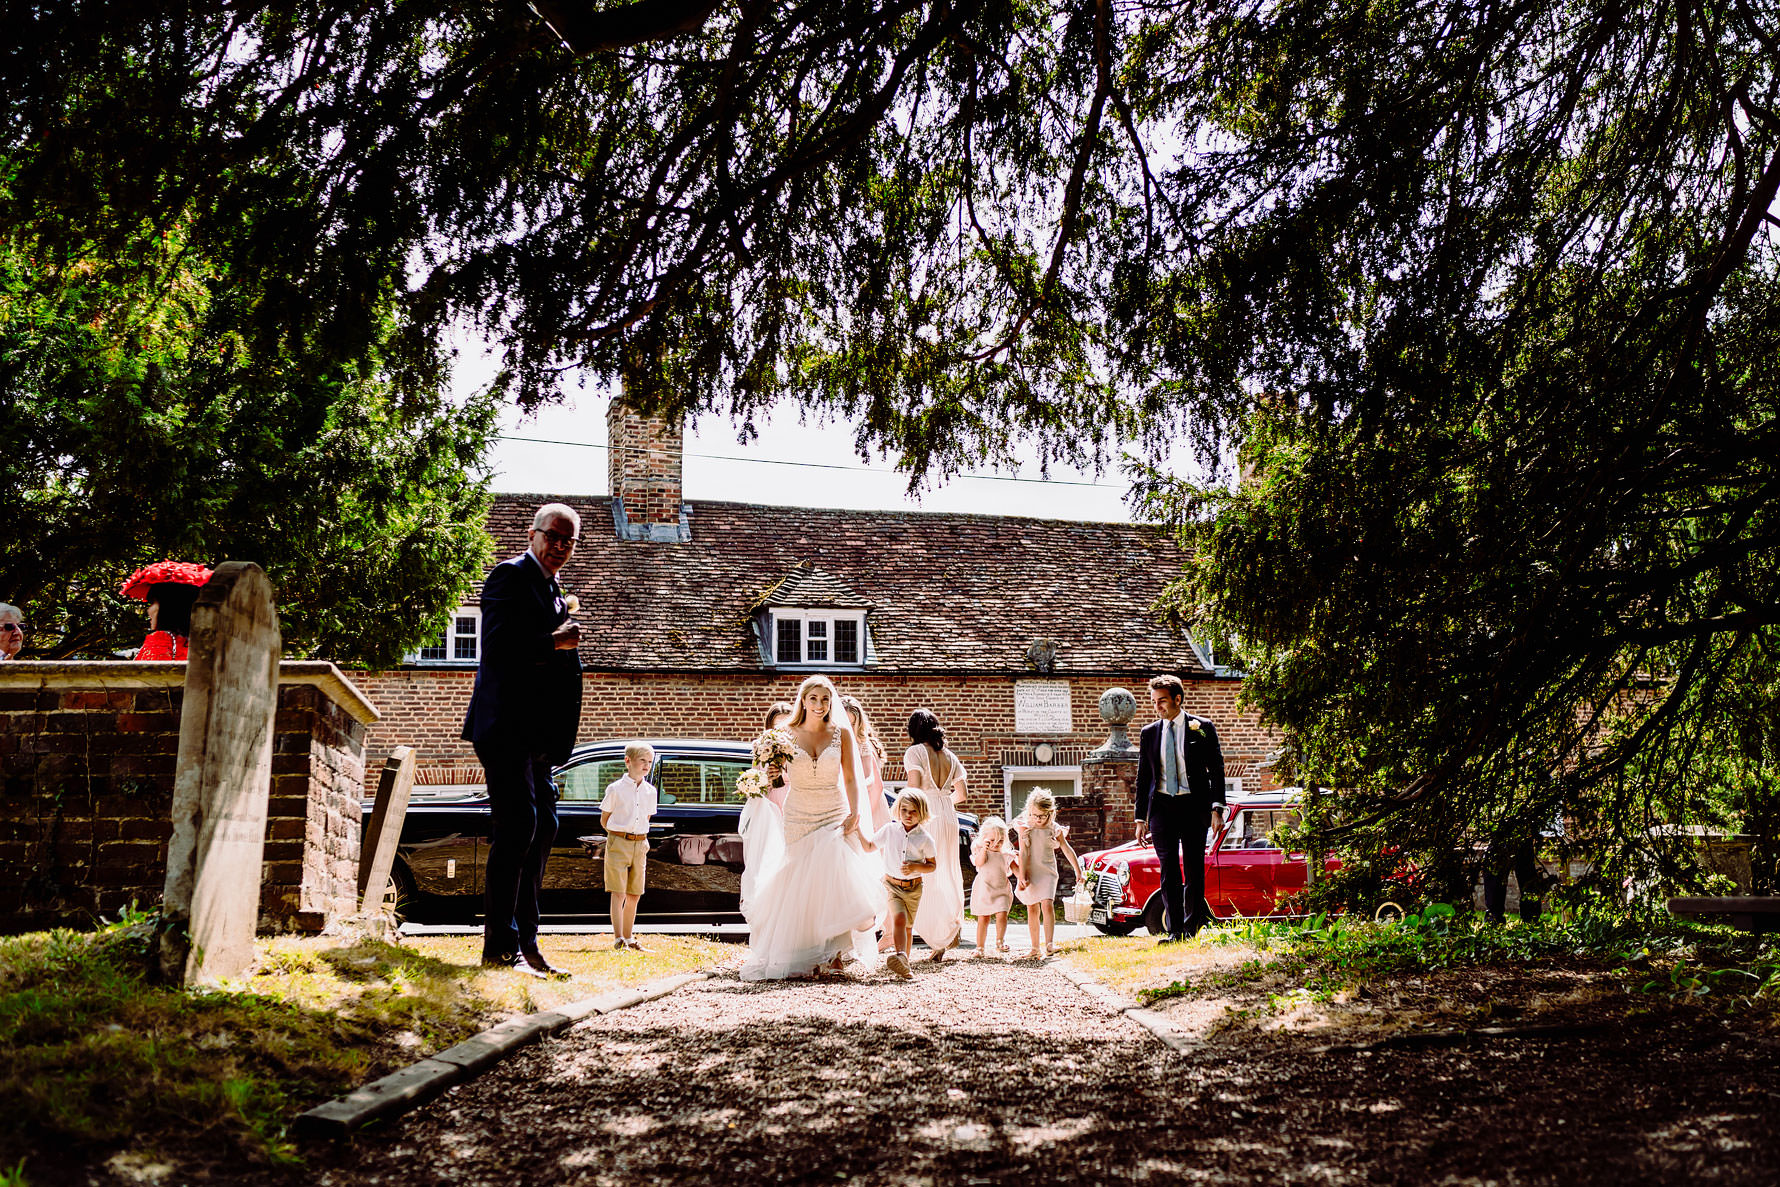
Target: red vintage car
x: 1246, y: 872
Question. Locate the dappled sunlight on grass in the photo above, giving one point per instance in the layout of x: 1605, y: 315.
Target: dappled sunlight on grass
x: 1132, y: 964
x: 99, y: 1057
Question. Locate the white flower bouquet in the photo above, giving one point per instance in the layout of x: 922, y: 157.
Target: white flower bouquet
x: 752, y: 783
x: 774, y: 748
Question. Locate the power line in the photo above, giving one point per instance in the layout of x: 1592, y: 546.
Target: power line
x: 767, y: 461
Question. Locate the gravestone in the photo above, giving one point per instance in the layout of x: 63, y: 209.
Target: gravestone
x: 224, y: 776
x: 385, y: 829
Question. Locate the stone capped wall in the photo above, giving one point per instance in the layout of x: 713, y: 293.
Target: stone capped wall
x: 87, y: 757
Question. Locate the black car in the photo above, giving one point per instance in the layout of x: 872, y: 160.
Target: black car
x: 695, y: 848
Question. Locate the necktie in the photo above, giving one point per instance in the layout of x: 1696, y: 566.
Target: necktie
x: 1170, y: 760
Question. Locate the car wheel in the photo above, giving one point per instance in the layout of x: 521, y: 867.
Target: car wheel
x: 1155, y: 917
x: 1116, y: 929
x: 402, y: 882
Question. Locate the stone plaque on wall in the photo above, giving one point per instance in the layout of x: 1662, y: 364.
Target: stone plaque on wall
x: 1041, y: 707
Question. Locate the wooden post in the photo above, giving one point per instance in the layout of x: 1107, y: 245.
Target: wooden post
x: 211, y: 900
x: 378, y: 853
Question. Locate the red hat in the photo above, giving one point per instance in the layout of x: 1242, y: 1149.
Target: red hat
x: 163, y: 573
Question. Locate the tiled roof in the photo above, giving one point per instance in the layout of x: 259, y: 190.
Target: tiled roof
x: 807, y: 587
x: 966, y: 593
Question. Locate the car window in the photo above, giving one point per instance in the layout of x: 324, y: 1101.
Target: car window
x: 1256, y: 828
x: 587, y: 782
x: 701, y: 780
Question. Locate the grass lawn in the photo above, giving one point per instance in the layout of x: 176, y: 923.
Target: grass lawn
x: 102, y: 1064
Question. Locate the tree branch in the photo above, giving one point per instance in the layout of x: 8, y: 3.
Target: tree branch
x: 585, y: 30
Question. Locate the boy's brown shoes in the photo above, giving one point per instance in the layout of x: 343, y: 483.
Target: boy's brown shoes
x: 898, y: 964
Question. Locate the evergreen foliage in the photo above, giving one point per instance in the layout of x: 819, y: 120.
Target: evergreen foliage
x: 1483, y: 293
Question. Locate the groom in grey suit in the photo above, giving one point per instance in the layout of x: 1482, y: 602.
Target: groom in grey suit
x: 1180, y: 779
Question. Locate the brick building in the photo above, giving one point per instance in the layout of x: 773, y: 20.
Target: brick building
x: 697, y: 615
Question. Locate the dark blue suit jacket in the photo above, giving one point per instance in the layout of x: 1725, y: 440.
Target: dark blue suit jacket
x: 528, y: 693
x: 1204, y: 775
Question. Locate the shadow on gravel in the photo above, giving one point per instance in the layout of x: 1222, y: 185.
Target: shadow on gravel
x: 809, y: 1099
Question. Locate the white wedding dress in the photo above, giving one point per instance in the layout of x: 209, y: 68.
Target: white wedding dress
x: 820, y: 895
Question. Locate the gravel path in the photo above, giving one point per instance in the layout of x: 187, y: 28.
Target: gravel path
x: 992, y: 1072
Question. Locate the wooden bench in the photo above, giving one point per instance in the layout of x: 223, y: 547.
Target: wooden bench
x: 1748, y: 912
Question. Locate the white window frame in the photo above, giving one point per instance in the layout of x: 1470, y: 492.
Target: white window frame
x: 451, y: 636
x: 1056, y: 774
x: 804, y: 617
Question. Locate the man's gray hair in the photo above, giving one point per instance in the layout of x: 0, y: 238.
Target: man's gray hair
x: 7, y: 609
x: 550, y: 511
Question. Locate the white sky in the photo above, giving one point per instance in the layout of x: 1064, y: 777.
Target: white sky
x: 749, y: 473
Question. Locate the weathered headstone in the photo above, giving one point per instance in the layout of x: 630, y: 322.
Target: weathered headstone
x: 378, y: 853
x: 224, y: 776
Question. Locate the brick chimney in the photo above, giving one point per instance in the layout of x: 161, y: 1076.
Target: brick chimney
x: 643, y: 465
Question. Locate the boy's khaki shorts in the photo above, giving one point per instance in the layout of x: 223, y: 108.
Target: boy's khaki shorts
x: 625, y: 862
x: 903, y: 897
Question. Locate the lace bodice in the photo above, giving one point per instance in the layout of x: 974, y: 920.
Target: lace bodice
x: 815, y: 799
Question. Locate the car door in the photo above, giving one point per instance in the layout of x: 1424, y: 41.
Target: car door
x: 1253, y: 873
x: 695, y: 864
x: 443, y: 847
x: 575, y: 876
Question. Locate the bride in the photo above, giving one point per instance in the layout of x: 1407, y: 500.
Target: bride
x: 820, y: 899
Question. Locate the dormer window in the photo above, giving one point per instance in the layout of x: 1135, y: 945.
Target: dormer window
x: 817, y: 636
x: 459, y: 643
x: 813, y: 619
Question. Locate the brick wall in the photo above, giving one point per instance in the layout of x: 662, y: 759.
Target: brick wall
x: 424, y: 708
x: 86, y: 790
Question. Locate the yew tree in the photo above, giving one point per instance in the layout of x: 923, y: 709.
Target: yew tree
x: 1478, y: 297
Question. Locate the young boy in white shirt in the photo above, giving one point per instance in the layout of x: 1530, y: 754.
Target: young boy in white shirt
x: 908, y: 855
x: 624, y: 813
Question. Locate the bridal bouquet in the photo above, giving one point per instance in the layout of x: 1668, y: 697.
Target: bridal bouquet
x: 752, y: 782
x: 774, y: 748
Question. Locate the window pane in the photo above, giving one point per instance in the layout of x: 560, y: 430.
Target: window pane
x: 679, y: 781
x: 790, y: 641
x: 466, y: 626
x: 434, y: 648
x: 587, y: 782
x: 463, y: 647
x: 720, y: 779
x: 818, y: 628
x: 818, y: 650
x: 846, y: 641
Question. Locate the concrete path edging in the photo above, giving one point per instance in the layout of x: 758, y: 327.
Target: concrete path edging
x: 414, y: 1085
x: 1118, y: 1003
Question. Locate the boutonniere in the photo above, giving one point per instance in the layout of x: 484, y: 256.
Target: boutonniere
x: 571, y: 603
x: 1194, y: 724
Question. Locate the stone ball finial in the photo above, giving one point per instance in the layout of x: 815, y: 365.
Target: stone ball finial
x: 1117, y: 706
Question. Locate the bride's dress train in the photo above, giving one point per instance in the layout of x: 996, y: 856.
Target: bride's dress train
x: 819, y: 895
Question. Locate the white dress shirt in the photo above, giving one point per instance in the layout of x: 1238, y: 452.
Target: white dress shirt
x: 630, y: 803
x: 897, y: 845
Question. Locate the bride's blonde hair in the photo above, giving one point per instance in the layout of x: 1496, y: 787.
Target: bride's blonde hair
x: 837, y: 716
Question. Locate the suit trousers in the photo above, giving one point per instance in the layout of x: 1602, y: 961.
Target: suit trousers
x: 1525, y: 864
x: 522, y: 809
x: 1177, y: 829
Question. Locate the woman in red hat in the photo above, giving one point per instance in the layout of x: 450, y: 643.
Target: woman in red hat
x: 170, y: 588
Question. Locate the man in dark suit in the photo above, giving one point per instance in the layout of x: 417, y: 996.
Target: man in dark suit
x: 524, y: 714
x: 1180, y: 778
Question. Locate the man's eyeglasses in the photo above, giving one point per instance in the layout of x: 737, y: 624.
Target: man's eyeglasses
x: 13, y: 626
x: 557, y: 538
